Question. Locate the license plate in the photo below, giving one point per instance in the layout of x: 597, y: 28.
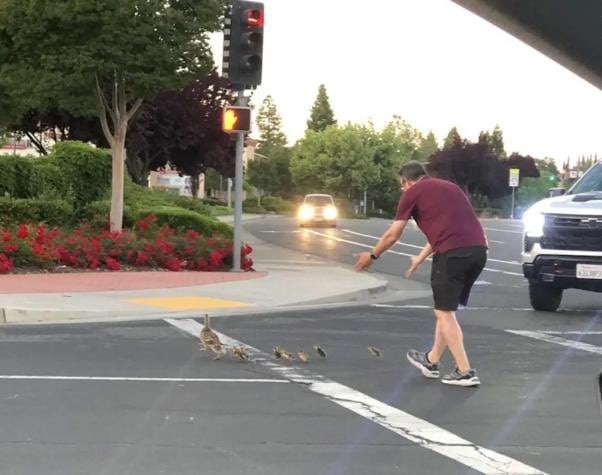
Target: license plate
x: 589, y: 271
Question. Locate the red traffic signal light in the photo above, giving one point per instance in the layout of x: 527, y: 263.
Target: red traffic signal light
x: 236, y: 119
x: 243, y: 44
x: 255, y: 18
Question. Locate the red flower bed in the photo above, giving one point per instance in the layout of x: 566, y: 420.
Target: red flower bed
x: 146, y: 245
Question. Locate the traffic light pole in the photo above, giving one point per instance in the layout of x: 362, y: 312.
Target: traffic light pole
x: 238, y: 176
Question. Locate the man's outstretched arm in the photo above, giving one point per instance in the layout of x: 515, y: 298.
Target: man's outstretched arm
x: 389, y: 237
x: 416, y: 261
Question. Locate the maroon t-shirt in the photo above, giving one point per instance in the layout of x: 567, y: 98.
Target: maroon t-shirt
x: 443, y: 213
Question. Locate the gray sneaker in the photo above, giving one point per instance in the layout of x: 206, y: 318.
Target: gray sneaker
x: 419, y: 359
x: 456, y: 378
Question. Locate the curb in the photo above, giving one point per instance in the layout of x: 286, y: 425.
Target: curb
x: 18, y: 316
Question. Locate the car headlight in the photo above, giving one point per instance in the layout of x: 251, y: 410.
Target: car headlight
x: 533, y: 222
x: 330, y: 212
x: 306, y: 212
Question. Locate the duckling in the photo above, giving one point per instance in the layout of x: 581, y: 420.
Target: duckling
x: 303, y: 357
x: 210, y: 340
x: 240, y: 353
x: 375, y: 351
x: 285, y: 354
x: 321, y: 351
x: 277, y: 352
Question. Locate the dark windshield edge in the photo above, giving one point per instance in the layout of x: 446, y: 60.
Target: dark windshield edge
x: 591, y: 182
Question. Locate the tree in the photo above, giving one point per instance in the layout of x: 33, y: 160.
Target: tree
x: 270, y: 126
x: 263, y: 175
x: 497, y: 143
x: 395, y: 145
x: 273, y: 147
x: 322, y: 115
x: 525, y: 163
x: 183, y: 128
x: 336, y: 160
x: 281, y: 158
x: 475, y: 168
x: 453, y: 138
x: 84, y: 56
x: 3, y: 136
x: 428, y: 147
x: 197, y: 139
x: 485, y: 139
x: 61, y: 125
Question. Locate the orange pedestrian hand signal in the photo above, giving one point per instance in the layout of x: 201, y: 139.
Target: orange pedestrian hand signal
x: 236, y: 119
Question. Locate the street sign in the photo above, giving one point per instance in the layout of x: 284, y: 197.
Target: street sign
x: 513, y: 178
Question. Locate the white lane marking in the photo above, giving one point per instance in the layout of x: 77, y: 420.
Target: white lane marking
x: 354, y: 243
x: 377, y: 238
x: 578, y: 345
x: 497, y: 242
x: 516, y: 263
x: 503, y: 230
x: 109, y: 378
x: 420, y: 307
x: 501, y: 309
x: 416, y: 430
x: 503, y: 271
x: 555, y: 332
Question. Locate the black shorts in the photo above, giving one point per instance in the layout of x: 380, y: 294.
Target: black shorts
x: 453, y: 275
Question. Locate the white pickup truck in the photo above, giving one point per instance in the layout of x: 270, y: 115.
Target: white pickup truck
x: 562, y: 245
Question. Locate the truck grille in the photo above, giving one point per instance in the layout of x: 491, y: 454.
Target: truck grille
x: 572, y: 233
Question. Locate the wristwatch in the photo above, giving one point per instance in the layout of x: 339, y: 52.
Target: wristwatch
x: 373, y: 256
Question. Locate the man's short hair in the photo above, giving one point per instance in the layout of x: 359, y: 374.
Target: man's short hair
x: 412, y: 171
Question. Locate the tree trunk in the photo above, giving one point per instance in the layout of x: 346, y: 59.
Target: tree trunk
x: 117, y: 110
x: 194, y: 186
x: 37, y: 144
x: 138, y: 166
x: 118, y: 155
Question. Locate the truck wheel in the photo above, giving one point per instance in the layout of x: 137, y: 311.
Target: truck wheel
x: 545, y: 297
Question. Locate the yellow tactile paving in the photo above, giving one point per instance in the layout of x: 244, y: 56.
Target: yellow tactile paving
x: 188, y: 303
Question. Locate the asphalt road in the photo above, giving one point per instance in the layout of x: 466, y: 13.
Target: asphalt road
x: 501, y: 285
x: 139, y: 398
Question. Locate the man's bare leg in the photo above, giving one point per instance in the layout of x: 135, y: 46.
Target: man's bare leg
x: 439, y: 345
x: 453, y: 337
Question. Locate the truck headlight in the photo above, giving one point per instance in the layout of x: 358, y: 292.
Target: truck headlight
x: 330, y: 212
x: 533, y: 222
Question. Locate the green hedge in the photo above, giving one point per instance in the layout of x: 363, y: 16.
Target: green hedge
x: 47, y: 181
x: 74, y: 172
x: 97, y: 214
x: 86, y: 170
x: 51, y: 212
x: 182, y: 220
x: 277, y: 205
x: 15, y: 175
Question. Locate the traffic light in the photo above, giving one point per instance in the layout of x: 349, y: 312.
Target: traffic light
x: 236, y: 119
x: 243, y: 44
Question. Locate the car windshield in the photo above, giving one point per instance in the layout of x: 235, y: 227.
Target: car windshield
x: 318, y: 200
x: 591, y: 181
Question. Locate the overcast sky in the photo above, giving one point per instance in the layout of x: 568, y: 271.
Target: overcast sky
x: 430, y: 61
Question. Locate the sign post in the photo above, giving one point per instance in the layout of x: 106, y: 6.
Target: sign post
x: 513, y: 180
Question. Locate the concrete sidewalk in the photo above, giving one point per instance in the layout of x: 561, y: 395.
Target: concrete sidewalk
x: 283, y: 278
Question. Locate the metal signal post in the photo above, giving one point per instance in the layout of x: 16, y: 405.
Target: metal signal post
x: 242, y: 65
